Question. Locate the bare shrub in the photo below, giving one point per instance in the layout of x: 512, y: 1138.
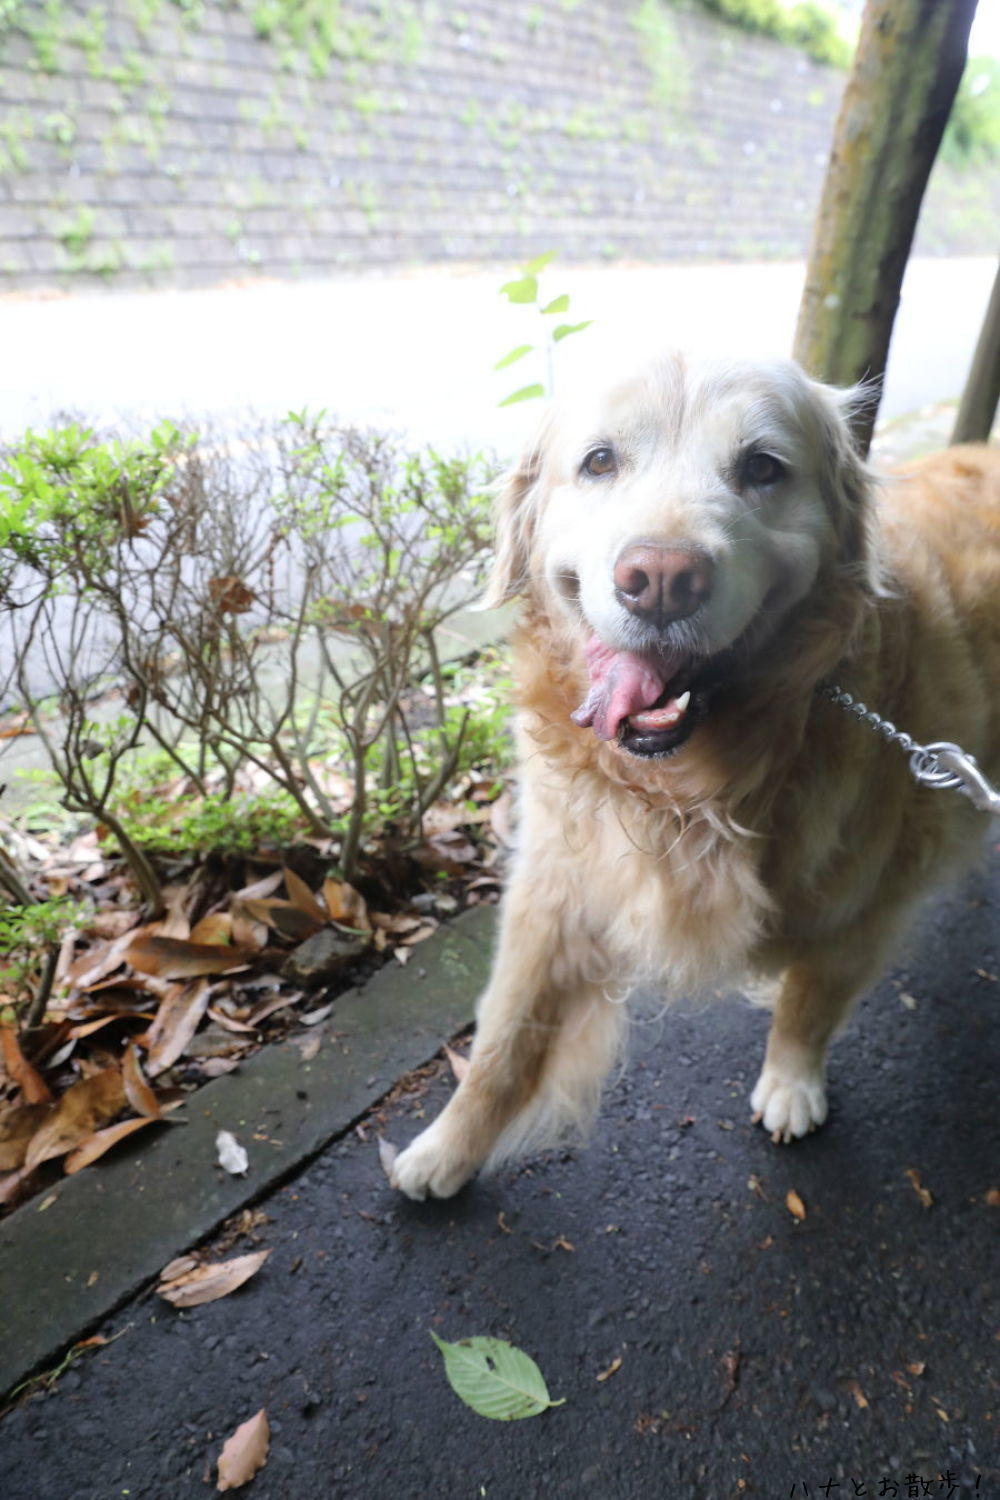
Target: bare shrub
x: 268, y: 603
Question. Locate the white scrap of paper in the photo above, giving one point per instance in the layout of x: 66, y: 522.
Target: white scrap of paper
x: 232, y: 1155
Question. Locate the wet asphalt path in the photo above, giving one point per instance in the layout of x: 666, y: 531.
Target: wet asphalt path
x: 855, y: 1352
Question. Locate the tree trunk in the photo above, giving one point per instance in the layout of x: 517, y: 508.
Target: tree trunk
x: 907, y: 68
x: 981, y: 396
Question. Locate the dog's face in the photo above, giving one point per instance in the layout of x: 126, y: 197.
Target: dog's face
x: 674, y: 522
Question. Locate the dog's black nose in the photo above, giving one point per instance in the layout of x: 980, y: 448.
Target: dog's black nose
x: 663, y: 584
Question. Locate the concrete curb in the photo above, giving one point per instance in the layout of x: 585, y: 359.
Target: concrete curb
x: 68, y: 1260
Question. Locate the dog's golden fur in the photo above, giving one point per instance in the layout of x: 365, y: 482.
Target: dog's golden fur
x: 782, y: 837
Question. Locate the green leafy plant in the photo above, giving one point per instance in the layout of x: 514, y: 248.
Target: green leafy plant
x: 30, y: 936
x: 251, y: 611
x: 495, y: 1379
x: 524, y: 291
x: 165, y: 817
x: 77, y: 233
x: 661, y: 51
x: 809, y: 25
x: 72, y: 509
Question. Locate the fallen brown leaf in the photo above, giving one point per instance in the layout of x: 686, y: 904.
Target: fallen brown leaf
x: 215, y: 1067
x: 302, y: 897
x: 176, y: 1022
x: 612, y: 1369
x: 420, y: 933
x: 174, y: 924
x: 31, y: 1083
x: 230, y: 595
x: 450, y: 852
x: 177, y: 1267
x: 137, y: 1090
x: 215, y: 928
x: 282, y: 917
x: 258, y: 889
x: 993, y: 1197
x: 84, y: 1029
x: 16, y: 1185
x: 860, y: 1399
x: 244, y: 1453
x: 445, y: 817
x: 102, y: 1140
x: 18, y: 1124
x: 112, y: 923
x: 88, y: 1104
x: 248, y: 932
x: 178, y: 958
x: 795, y: 1205
x: 207, y: 1283
x: 913, y: 1176
x: 98, y: 962
x: 268, y: 1007
x: 345, y: 905
x: 230, y: 1023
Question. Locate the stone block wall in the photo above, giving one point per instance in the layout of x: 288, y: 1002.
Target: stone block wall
x: 168, y: 142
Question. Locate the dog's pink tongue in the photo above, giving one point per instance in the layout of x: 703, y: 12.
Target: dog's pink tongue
x: 621, y: 683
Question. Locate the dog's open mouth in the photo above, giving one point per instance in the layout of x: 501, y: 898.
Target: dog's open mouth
x: 649, y: 704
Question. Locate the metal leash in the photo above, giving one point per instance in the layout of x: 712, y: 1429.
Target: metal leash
x: 938, y: 765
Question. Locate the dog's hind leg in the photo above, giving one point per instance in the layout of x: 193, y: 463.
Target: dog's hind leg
x: 546, y: 1036
x: 815, y: 998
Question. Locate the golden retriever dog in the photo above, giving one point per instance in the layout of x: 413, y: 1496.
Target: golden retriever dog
x: 700, y: 551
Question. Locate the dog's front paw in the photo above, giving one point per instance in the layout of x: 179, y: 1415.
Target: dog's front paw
x: 789, y: 1103
x: 431, y: 1165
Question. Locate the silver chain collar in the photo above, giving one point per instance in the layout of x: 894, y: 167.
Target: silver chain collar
x: 939, y: 765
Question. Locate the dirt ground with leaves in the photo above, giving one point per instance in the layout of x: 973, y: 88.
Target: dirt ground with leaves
x: 720, y: 1317
x: 140, y: 1013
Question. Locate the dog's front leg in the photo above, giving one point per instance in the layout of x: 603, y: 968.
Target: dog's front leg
x: 545, y: 1037
x: 789, y: 1099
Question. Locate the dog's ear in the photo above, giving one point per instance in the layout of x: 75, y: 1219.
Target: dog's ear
x: 514, y: 523
x: 846, y: 479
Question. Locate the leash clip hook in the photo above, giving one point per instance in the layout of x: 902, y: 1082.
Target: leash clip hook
x: 945, y: 765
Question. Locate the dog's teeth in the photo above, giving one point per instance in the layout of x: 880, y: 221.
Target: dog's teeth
x: 682, y: 702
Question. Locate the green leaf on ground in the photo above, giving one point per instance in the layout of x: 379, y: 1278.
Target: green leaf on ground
x: 495, y: 1379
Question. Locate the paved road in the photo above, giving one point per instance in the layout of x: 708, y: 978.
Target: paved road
x: 761, y: 1356
x: 416, y: 350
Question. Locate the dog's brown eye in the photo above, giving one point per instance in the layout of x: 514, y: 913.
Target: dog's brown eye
x: 762, y: 468
x: 600, y: 461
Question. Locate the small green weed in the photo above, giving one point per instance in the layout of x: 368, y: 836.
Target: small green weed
x: 26, y: 935
x: 217, y: 824
x: 523, y: 291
